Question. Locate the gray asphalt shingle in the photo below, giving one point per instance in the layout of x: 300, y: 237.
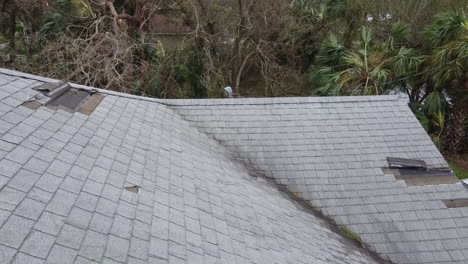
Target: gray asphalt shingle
x: 63, y: 179
x: 331, y: 151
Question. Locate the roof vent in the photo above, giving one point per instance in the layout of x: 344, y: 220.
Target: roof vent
x: 63, y: 96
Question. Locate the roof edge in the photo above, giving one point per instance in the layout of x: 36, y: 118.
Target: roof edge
x: 75, y: 85
x: 217, y: 101
x: 281, y: 100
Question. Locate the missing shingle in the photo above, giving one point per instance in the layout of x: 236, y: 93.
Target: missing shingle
x: 90, y: 105
x: 71, y: 100
x: 418, y: 173
x: 65, y: 97
x: 421, y: 177
x: 456, y: 203
x: 133, y: 189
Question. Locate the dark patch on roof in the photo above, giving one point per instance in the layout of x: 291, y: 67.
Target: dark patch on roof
x: 34, y: 105
x: 133, y: 189
x: 90, y: 104
x: 63, y: 96
x: 71, y: 99
x: 406, y: 163
x: 419, y: 177
x: 456, y: 203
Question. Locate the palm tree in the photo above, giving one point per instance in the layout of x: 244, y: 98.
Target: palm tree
x: 371, y: 68
x: 446, y: 79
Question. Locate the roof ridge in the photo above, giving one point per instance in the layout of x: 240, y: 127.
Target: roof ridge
x: 217, y: 101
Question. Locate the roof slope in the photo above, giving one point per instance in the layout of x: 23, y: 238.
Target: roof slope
x: 332, y: 151
x: 63, y: 196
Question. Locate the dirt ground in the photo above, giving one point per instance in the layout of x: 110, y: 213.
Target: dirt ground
x: 459, y: 164
x: 461, y: 160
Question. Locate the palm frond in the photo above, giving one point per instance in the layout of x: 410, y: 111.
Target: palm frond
x: 435, y: 103
x: 367, y: 35
x: 331, y: 52
x: 326, y: 81
x: 399, y: 35
x: 445, y: 28
x: 406, y: 61
x: 337, y: 8
x: 451, y: 61
x: 379, y: 76
x: 439, y: 123
x: 353, y: 60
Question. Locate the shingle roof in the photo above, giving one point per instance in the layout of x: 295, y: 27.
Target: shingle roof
x: 332, y: 151
x: 199, y: 166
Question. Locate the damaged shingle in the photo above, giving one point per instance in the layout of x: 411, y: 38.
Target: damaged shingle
x: 63, y: 96
x: 133, y: 189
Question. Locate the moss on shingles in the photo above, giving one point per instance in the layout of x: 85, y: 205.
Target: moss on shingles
x: 345, y: 230
x: 350, y: 234
x: 296, y: 194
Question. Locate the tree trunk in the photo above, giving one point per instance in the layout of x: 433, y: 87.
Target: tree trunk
x: 455, y: 136
x: 238, y: 63
x: 122, y: 21
x: 238, y: 73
